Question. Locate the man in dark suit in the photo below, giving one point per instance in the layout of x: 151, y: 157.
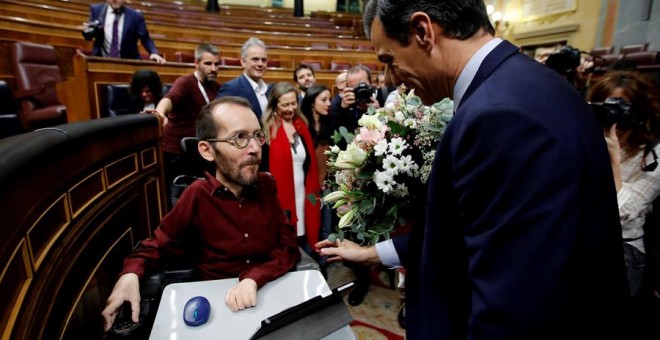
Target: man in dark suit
x: 522, y: 237
x: 115, y: 21
x: 250, y: 85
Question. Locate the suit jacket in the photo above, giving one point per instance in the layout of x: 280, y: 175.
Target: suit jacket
x: 240, y: 87
x: 522, y: 237
x: 134, y: 29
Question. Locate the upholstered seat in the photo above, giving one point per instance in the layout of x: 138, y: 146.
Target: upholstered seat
x: 634, y: 48
x: 118, y: 101
x: 183, y: 57
x: 10, y: 124
x: 339, y: 65
x: 314, y: 64
x: 599, y: 51
x: 643, y: 58
x: 37, y: 72
x: 229, y: 61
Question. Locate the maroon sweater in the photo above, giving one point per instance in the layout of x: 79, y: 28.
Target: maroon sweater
x: 248, y: 237
x: 187, y: 101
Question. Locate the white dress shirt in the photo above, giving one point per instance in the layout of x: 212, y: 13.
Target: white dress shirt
x: 107, y: 30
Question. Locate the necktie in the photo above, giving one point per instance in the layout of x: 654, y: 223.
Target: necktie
x: 114, y: 45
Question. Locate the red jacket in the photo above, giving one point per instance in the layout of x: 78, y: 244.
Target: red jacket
x: 281, y: 167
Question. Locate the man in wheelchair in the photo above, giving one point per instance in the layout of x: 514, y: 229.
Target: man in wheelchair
x: 230, y: 224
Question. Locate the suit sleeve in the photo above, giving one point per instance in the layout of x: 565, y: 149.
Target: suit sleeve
x: 229, y: 89
x: 516, y: 183
x: 143, y: 33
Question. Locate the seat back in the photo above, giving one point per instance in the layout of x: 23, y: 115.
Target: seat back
x: 339, y: 65
x: 314, y: 64
x: 598, y: 51
x: 116, y: 101
x: 274, y: 63
x: 643, y: 58
x: 36, y: 70
x: 182, y: 57
x: 229, y: 61
x: 634, y: 48
x: 10, y: 124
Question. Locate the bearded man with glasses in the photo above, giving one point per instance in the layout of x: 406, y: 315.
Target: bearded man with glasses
x: 228, y: 224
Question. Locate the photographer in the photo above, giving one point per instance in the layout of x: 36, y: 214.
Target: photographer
x: 627, y: 105
x: 356, y: 98
x: 115, y: 29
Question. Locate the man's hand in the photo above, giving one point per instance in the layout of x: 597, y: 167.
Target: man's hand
x: 347, y: 251
x: 127, y: 288
x: 241, y: 296
x: 157, y: 58
x: 159, y: 115
x: 348, y: 98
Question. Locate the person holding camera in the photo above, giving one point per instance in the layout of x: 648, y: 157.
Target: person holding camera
x: 356, y: 98
x: 115, y: 29
x: 627, y: 105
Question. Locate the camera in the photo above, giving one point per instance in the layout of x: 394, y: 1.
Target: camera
x: 363, y: 93
x: 565, y: 60
x: 93, y: 27
x: 613, y: 110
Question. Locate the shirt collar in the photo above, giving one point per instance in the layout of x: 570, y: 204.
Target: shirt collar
x: 257, y: 87
x: 470, y: 70
x: 217, y: 188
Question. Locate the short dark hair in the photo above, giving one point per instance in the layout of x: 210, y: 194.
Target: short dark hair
x: 206, y: 127
x: 460, y: 19
x: 148, y: 78
x: 301, y: 67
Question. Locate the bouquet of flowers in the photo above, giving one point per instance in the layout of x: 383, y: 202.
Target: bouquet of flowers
x: 382, y: 173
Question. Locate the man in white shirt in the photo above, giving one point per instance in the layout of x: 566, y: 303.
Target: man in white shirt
x: 250, y: 85
x: 115, y: 29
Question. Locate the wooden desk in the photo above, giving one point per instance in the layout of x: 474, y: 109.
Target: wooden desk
x: 289, y: 290
x: 93, y: 72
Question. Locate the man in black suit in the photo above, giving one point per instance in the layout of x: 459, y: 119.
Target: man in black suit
x: 117, y: 31
x: 522, y: 237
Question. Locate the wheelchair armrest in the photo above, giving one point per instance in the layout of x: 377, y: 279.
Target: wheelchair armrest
x: 151, y: 289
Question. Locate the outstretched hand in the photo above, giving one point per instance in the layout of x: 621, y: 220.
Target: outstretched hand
x: 345, y: 250
x: 127, y: 288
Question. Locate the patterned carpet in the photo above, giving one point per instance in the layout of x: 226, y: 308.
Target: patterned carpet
x: 376, y: 317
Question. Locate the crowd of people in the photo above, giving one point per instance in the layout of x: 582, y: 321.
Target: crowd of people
x: 537, y: 222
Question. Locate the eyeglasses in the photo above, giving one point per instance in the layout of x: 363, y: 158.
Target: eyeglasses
x: 241, y: 140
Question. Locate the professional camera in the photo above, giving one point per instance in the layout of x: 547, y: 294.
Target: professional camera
x: 565, y: 60
x: 613, y: 110
x: 363, y: 93
x: 93, y: 27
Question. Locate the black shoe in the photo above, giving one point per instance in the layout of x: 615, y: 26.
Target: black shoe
x: 356, y: 297
x: 402, y: 316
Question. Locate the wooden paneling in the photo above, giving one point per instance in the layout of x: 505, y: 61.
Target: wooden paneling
x: 69, y: 229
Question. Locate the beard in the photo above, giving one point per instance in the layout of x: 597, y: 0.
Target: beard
x: 234, y: 172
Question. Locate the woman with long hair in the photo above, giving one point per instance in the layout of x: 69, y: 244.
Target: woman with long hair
x: 315, y: 107
x: 292, y: 161
x: 632, y: 103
